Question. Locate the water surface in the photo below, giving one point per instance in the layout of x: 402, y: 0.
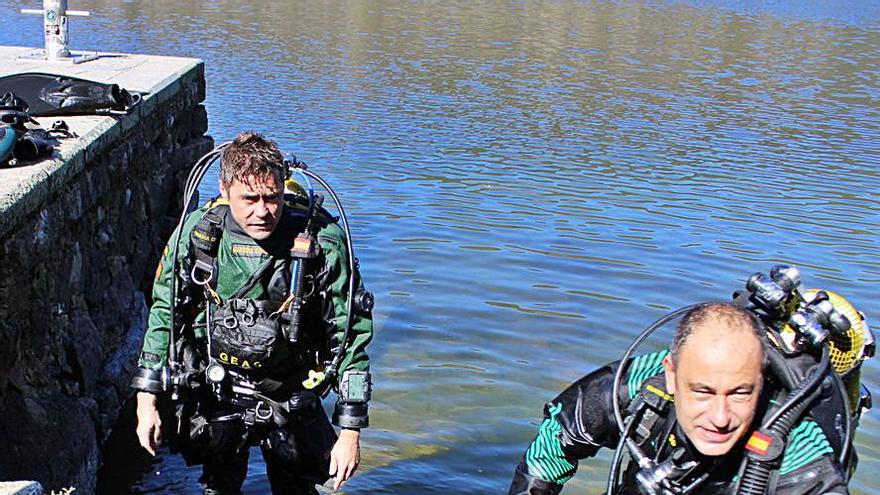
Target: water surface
x: 532, y: 183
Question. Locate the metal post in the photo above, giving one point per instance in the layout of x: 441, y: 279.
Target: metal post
x: 55, y: 28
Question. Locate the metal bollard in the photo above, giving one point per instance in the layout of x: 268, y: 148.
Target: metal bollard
x: 55, y: 28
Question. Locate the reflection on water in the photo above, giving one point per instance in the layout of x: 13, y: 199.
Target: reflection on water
x: 530, y: 184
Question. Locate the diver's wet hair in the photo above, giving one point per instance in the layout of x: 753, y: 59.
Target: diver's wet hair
x: 251, y: 156
x: 723, y: 312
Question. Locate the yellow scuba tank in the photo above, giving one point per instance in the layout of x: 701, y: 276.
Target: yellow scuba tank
x: 847, y: 349
x: 291, y: 186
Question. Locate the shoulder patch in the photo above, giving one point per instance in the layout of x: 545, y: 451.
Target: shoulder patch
x: 161, y: 266
x: 806, y: 443
x: 643, y: 367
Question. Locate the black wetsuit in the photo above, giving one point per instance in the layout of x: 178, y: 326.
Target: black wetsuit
x: 580, y: 421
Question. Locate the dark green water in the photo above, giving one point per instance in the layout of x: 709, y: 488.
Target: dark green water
x: 532, y: 183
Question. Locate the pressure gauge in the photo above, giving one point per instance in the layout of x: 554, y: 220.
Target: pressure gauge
x: 215, y: 373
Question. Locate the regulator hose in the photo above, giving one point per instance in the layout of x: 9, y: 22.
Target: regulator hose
x: 626, y: 356
x: 196, y: 174
x: 845, y: 452
x: 618, y: 456
x: 756, y: 476
x: 804, y: 388
x: 615, y: 394
x: 333, y: 369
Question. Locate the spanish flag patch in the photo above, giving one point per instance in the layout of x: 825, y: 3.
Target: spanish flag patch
x: 302, y: 244
x: 759, y: 443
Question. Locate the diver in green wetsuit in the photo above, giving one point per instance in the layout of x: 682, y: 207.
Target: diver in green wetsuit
x: 243, y: 325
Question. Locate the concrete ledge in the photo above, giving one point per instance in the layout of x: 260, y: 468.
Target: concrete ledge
x: 21, y: 488
x: 24, y: 188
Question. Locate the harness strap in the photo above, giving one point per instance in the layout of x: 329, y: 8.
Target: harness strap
x: 205, y: 241
x: 652, y: 404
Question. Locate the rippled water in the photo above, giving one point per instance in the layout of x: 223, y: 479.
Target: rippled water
x: 530, y: 184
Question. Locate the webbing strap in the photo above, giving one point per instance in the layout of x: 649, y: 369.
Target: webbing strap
x: 254, y: 278
x: 205, y: 240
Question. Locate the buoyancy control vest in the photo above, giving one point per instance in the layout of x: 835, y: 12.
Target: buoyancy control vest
x: 253, y: 349
x: 684, y: 470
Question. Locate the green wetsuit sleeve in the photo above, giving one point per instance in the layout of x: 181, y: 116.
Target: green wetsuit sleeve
x: 332, y: 241
x: 809, y: 464
x: 154, y: 353
x: 577, y: 423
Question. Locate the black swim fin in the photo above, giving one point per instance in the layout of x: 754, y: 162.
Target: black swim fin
x: 50, y: 94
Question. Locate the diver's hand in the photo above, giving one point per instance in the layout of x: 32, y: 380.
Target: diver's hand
x: 149, y: 431
x: 345, y: 456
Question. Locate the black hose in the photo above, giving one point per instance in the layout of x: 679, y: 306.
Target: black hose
x: 756, y: 475
x: 624, y: 361
x: 618, y: 456
x: 848, y: 423
x: 625, y: 429
x: 805, y: 387
x: 298, y: 275
x: 194, y: 178
x: 337, y: 359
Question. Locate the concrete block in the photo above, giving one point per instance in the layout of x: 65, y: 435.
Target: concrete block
x: 21, y: 488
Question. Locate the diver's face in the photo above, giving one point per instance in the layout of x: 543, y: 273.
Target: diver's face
x: 255, y: 205
x: 716, y: 383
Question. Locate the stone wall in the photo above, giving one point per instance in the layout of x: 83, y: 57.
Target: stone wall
x: 73, y: 274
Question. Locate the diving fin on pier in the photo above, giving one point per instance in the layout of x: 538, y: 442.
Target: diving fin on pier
x: 51, y: 94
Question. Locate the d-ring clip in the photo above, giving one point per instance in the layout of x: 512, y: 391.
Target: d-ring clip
x: 201, y: 268
x: 262, y: 411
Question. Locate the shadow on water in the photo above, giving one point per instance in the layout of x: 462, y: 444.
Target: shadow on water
x: 125, y: 462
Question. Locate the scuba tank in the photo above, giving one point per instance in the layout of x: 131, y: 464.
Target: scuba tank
x: 7, y: 143
x: 803, y: 326
x: 812, y: 336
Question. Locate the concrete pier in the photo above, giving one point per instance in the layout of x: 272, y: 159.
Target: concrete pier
x: 80, y: 236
